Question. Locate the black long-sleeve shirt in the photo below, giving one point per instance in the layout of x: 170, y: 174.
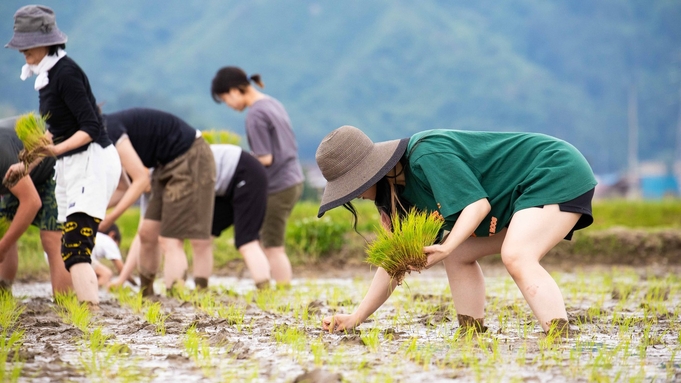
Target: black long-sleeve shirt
x: 69, y: 105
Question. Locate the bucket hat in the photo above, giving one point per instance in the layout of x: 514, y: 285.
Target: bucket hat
x: 35, y: 26
x: 352, y: 163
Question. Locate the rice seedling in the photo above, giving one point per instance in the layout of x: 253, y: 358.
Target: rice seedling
x: 9, y: 347
x: 154, y: 315
x: 401, y: 250
x: 10, y: 310
x: 197, y: 349
x: 371, y: 338
x: 30, y: 129
x: 73, y: 312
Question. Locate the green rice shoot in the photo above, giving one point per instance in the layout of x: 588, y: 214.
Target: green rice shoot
x: 4, y: 226
x: 396, y: 251
x: 30, y: 128
x: 221, y: 137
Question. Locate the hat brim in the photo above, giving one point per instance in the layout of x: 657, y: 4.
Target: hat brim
x: 27, y: 40
x: 383, y: 157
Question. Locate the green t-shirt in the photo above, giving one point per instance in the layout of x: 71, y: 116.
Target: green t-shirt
x: 450, y: 169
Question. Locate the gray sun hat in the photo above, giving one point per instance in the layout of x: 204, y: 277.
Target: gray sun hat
x: 35, y: 26
x: 352, y: 163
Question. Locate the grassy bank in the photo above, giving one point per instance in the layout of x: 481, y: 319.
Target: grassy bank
x: 626, y: 230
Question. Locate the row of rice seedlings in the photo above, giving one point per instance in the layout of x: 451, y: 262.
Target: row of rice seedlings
x: 152, y: 311
x: 11, y: 338
x: 99, y: 356
x: 197, y: 349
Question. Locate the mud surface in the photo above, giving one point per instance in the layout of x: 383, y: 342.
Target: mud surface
x: 624, y: 323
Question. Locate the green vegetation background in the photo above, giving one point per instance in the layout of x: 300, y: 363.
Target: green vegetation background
x: 310, y: 240
x: 393, y: 68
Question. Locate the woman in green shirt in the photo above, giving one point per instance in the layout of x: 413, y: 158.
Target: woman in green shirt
x: 514, y: 194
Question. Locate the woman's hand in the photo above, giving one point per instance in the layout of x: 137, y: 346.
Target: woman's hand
x: 14, y: 174
x: 436, y: 253
x: 115, y: 284
x: 45, y: 151
x: 339, y: 322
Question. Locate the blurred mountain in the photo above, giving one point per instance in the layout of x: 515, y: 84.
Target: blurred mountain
x: 392, y: 68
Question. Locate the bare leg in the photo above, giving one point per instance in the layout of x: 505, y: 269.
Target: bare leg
x: 85, y: 283
x: 130, y: 263
x: 531, y: 234
x: 203, y: 257
x: 9, y: 267
x: 175, y: 265
x: 149, y: 257
x: 466, y: 280
x: 280, y: 266
x: 59, y: 276
x: 257, y: 262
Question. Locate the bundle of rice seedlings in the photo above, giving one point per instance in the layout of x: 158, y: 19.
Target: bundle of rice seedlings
x: 4, y: 226
x: 221, y: 137
x: 30, y: 129
x: 396, y: 251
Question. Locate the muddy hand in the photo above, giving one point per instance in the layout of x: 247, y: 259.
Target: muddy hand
x: 14, y: 174
x: 339, y: 322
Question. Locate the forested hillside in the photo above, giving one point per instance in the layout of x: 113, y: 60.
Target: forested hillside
x: 389, y: 67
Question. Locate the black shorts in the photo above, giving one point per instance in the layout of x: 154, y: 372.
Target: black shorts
x: 581, y: 205
x: 245, y: 202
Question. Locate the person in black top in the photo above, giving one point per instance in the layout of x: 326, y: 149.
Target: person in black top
x: 87, y: 168
x: 30, y: 201
x: 182, y: 188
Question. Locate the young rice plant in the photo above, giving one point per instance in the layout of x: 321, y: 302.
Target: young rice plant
x: 401, y: 250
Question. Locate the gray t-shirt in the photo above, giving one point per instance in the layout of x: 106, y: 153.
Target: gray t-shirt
x: 269, y: 131
x: 10, y: 146
x: 226, y: 160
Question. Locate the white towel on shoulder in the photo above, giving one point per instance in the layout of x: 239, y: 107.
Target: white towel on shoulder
x: 41, y: 69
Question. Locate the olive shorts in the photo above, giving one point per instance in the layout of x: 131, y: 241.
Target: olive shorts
x: 46, y: 219
x: 279, y: 206
x: 183, y: 194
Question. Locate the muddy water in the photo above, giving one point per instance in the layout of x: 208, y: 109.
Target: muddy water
x: 626, y: 324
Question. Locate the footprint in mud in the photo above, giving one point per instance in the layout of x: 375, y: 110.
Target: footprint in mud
x: 318, y: 376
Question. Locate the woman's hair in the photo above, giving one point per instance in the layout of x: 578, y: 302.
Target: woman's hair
x: 232, y: 77
x: 52, y: 50
x: 389, y: 200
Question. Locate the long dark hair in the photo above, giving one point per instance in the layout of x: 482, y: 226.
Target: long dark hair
x: 389, y: 200
x: 232, y: 77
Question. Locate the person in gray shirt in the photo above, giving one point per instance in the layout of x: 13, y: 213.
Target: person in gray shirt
x: 273, y: 143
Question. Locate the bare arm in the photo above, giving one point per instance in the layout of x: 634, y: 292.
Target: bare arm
x: 130, y: 264
x: 265, y: 160
x: 29, y: 204
x: 469, y: 219
x: 140, y: 181
x: 380, y: 290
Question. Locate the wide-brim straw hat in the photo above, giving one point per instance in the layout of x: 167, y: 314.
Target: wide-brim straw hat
x: 35, y: 26
x: 352, y: 163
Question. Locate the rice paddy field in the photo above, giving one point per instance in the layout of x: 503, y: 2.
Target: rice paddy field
x: 625, y: 322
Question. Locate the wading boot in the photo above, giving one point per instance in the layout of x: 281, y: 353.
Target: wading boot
x: 147, y: 285
x: 201, y: 283
x: 468, y: 323
x: 558, y: 328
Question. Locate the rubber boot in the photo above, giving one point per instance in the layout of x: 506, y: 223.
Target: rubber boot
x: 468, y: 322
